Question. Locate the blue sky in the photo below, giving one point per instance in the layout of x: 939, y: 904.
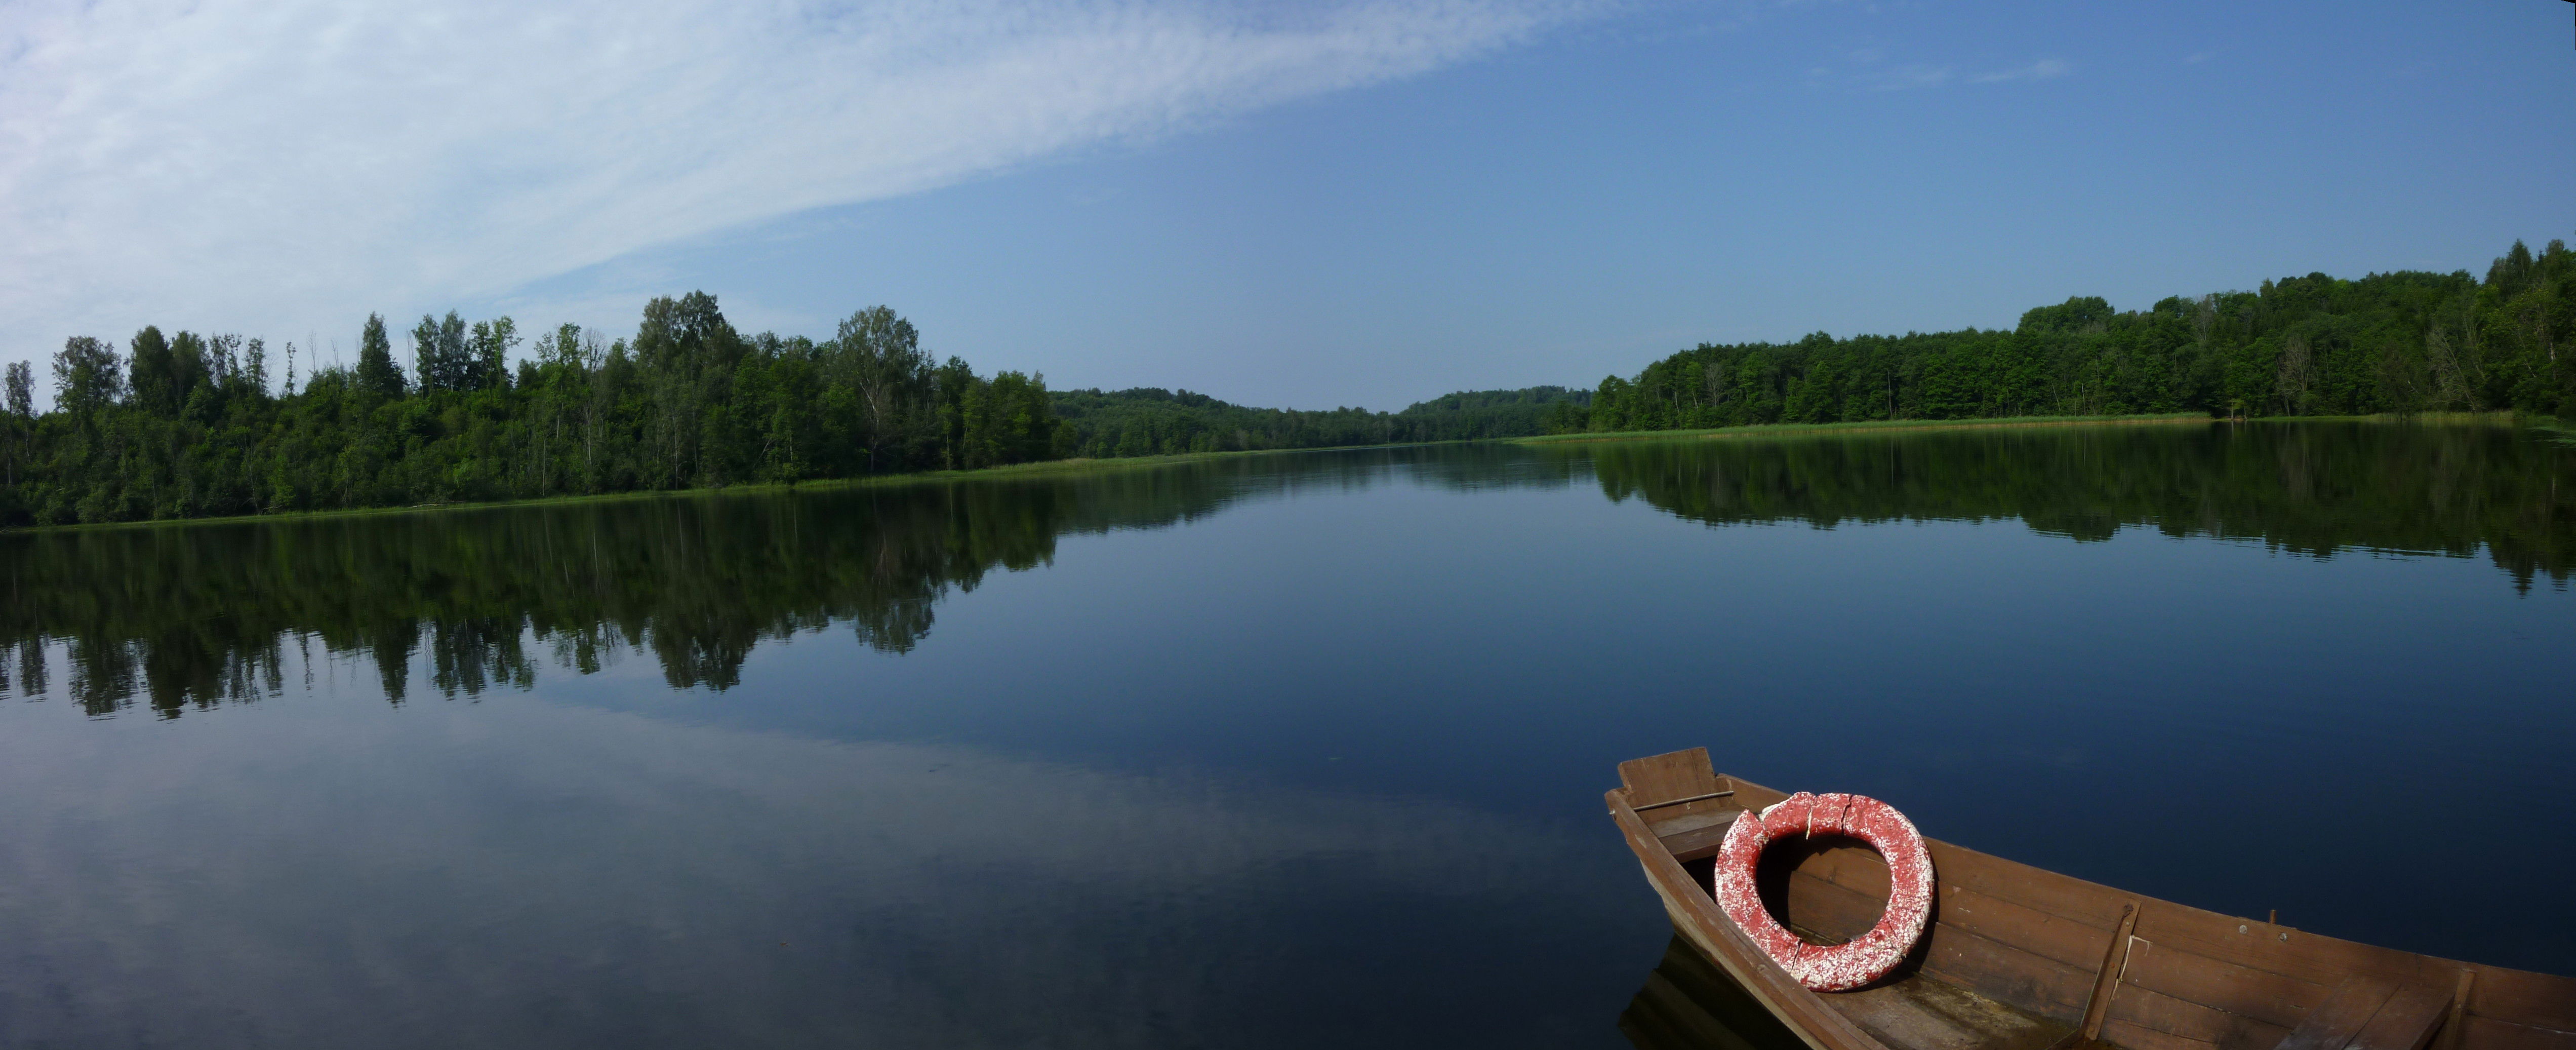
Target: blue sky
x: 1355, y: 203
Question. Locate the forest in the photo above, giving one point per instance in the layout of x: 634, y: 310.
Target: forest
x: 182, y: 424
x: 2315, y: 345
x: 185, y: 425
x: 1150, y: 421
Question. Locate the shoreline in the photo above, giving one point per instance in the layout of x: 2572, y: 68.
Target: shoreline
x: 1882, y: 426
x: 1084, y: 465
x: 1041, y: 467
x: 1876, y: 426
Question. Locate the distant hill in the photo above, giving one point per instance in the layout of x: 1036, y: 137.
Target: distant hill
x: 1150, y: 421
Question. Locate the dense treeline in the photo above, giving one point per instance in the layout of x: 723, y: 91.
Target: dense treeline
x: 185, y: 425
x: 1149, y: 421
x: 2314, y: 345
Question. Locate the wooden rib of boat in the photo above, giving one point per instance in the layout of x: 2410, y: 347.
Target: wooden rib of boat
x: 2018, y: 958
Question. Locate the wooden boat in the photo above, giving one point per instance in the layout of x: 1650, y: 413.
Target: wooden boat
x: 2017, y: 958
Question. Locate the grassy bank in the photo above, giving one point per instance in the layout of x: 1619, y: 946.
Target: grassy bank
x: 1875, y: 426
x: 1044, y: 468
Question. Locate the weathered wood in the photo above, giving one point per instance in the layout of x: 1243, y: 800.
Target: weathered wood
x: 2164, y: 1013
x: 2456, y: 1025
x: 2007, y: 974
x: 2194, y: 978
x: 1684, y: 801
x: 1668, y: 778
x: 1931, y: 1015
x: 2106, y: 980
x: 2523, y: 997
x: 2135, y: 1037
x: 2049, y: 936
x: 2332, y: 1024
x: 1702, y: 839
x: 2249, y: 943
x: 2488, y: 1033
x: 2405, y: 1022
x: 2036, y: 888
x: 1831, y: 913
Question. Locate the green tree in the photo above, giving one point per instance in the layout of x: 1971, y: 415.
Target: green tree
x: 86, y: 376
x: 376, y: 372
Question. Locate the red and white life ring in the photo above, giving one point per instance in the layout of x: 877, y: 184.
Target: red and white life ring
x: 1866, y: 958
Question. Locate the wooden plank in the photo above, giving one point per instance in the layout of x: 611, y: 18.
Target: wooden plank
x: 2037, y: 932
x: 1833, y: 913
x: 1853, y: 865
x: 1920, y: 1013
x: 2406, y: 1021
x: 1668, y: 823
x: 1751, y: 795
x: 2334, y: 1022
x: 2487, y: 1033
x: 2106, y: 981
x: 2036, y: 888
x: 1701, y: 840
x: 2006, y: 974
x: 2457, y: 1024
x: 2524, y: 997
x: 2254, y: 944
x: 2195, y: 978
x: 2164, y: 1013
x: 2138, y: 1037
x: 1665, y: 777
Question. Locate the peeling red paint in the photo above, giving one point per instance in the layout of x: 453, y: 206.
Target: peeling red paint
x: 1866, y: 958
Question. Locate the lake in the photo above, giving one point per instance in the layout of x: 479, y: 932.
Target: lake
x: 1276, y: 750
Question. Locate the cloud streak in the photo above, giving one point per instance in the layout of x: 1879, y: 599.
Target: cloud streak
x: 291, y: 164
x: 2044, y: 69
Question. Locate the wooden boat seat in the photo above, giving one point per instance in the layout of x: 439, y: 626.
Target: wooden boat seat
x: 2366, y: 1013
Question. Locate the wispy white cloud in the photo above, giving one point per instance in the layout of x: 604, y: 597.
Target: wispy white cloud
x: 1909, y: 76
x: 277, y: 165
x: 2044, y: 69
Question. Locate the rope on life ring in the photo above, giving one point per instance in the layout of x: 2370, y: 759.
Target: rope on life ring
x: 1866, y: 958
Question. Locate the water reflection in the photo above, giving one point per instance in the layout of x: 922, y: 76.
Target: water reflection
x: 2309, y: 488
x: 1688, y: 1003
x: 192, y: 616
x: 527, y: 874
x: 1322, y: 771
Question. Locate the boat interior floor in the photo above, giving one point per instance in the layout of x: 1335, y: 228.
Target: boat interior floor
x: 1923, y: 1013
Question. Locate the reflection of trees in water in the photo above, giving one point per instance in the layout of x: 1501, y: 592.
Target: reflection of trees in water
x: 197, y: 615
x: 2311, y: 488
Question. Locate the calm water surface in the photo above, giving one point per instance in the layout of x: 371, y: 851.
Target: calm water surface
x: 1271, y: 751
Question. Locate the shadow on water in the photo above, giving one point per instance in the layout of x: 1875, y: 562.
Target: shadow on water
x: 1689, y: 1004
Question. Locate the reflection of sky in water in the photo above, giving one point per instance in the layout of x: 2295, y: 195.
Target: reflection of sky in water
x: 490, y: 874
x: 1299, y: 750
